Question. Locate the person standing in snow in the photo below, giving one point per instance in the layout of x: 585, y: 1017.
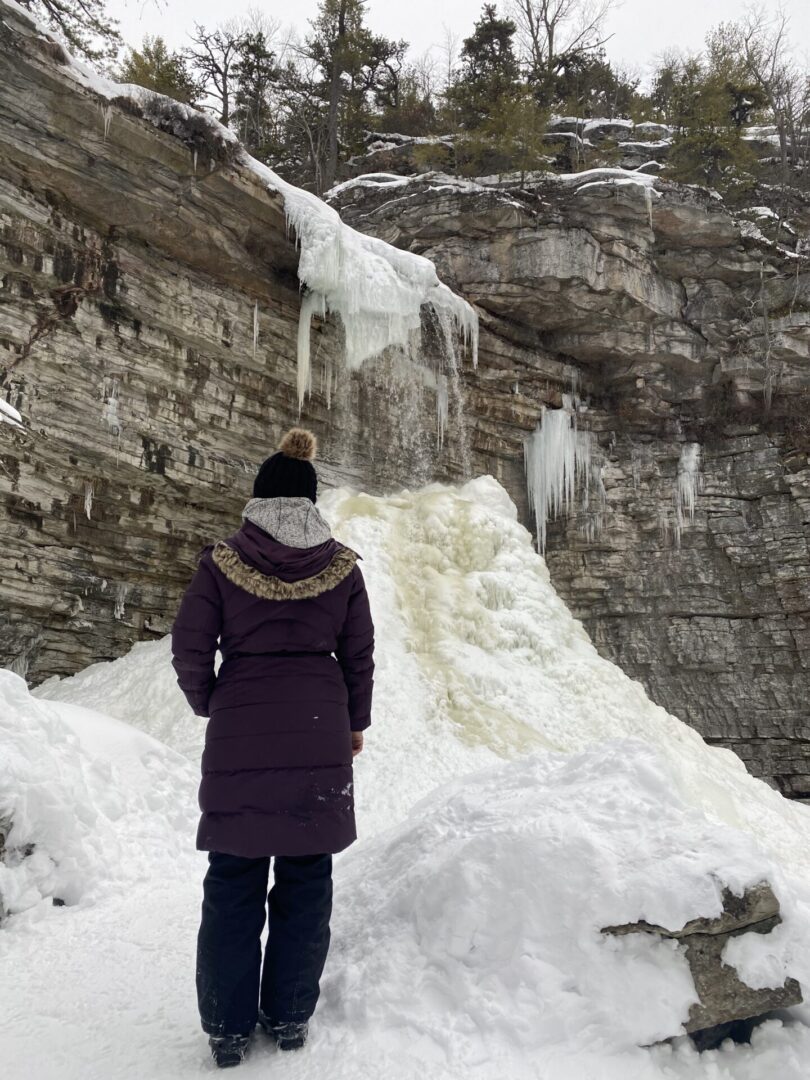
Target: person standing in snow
x: 287, y: 606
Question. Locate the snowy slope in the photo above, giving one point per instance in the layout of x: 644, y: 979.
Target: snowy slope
x: 517, y: 793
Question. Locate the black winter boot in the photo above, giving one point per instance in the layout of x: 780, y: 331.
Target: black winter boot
x: 288, y: 1036
x: 228, y: 1050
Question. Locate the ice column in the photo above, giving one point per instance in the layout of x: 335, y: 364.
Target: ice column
x: 688, y: 483
x: 558, y: 460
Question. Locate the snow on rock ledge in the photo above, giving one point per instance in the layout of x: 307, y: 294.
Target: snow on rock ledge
x: 377, y: 291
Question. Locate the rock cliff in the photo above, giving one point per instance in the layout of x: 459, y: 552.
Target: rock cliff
x: 686, y: 336
x: 149, y: 312
x: 149, y: 318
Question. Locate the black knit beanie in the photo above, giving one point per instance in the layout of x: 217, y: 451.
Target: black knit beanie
x: 290, y: 471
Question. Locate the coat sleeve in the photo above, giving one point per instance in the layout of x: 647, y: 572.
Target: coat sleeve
x: 195, y: 636
x: 355, y: 652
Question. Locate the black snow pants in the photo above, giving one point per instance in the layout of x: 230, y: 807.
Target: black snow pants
x: 232, y: 982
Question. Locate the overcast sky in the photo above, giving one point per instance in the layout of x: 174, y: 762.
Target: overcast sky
x: 641, y: 29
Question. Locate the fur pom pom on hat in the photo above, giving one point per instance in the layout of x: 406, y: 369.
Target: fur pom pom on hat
x: 289, y: 473
x: 299, y: 443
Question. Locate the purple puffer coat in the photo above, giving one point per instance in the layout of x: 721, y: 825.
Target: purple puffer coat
x: 294, y: 628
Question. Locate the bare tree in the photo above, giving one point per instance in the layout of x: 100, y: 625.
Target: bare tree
x: 300, y: 99
x: 281, y: 39
x: 426, y: 74
x: 767, y: 49
x: 449, y: 48
x: 213, y: 54
x: 553, y: 32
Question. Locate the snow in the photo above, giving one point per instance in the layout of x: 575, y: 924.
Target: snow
x: 454, y: 897
x: 598, y: 123
x: 628, y: 146
x: 376, y: 290
x: 82, y: 787
x: 589, y: 176
x: 370, y: 180
x: 762, y: 137
x: 9, y: 415
x: 761, y: 211
x: 517, y: 793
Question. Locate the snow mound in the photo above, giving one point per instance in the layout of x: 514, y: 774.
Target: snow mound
x: 517, y: 793
x: 139, y: 688
x: 85, y: 800
x: 482, y: 913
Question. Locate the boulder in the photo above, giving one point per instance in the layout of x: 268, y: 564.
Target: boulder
x: 724, y: 997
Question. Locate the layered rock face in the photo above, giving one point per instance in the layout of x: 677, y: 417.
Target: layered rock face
x: 136, y: 263
x: 149, y: 306
x: 686, y: 334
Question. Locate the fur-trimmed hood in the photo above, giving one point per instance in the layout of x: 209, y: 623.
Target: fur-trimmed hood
x: 264, y: 566
x: 272, y: 587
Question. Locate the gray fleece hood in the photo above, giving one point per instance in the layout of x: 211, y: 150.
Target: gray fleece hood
x: 294, y: 521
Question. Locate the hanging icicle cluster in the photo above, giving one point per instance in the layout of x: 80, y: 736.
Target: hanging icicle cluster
x: 687, y: 486
x: 379, y: 292
x: 558, y: 459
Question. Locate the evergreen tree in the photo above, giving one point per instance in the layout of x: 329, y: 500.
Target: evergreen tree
x: 587, y: 84
x: 559, y: 38
x: 410, y: 110
x: 84, y: 24
x: 664, y: 92
x: 255, y: 75
x: 502, y: 125
x: 489, y: 71
x: 354, y: 64
x: 509, y: 140
x: 154, y: 67
x: 707, y: 147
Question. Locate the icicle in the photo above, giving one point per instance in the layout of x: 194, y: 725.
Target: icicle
x: 312, y: 304
x: 442, y: 408
x: 255, y: 327
x: 121, y: 592
x: 194, y: 160
x: 106, y: 116
x: 558, y: 459
x: 688, y: 483
x: 663, y: 523
x: 110, y: 410
x: 648, y: 200
x: 9, y: 415
x: 88, y: 499
x: 327, y: 367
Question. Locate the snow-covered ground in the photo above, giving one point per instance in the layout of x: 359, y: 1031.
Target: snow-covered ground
x: 517, y: 793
